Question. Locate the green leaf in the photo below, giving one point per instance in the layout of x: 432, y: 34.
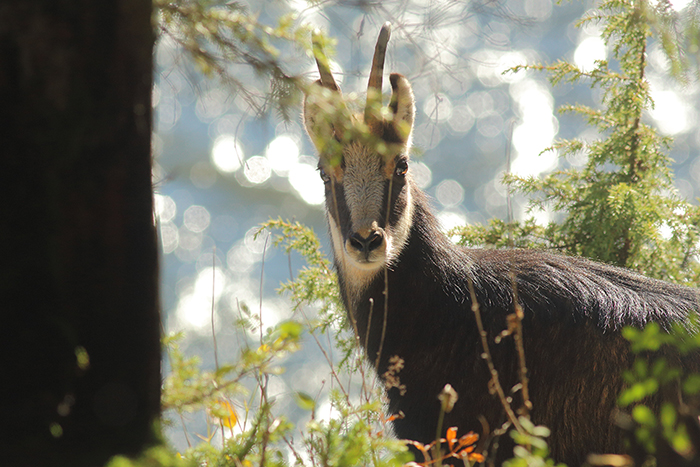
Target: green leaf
x: 304, y: 401
x: 668, y: 415
x: 290, y: 330
x: 691, y: 385
x: 638, y: 392
x: 644, y: 416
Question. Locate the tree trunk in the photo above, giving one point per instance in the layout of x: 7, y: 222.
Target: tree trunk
x: 80, y: 364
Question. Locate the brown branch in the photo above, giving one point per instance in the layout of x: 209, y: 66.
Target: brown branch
x: 489, y: 361
x: 518, y: 337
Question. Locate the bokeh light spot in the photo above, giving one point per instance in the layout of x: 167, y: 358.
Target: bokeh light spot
x: 165, y: 207
x: 257, y: 169
x: 449, y: 193
x: 169, y: 237
x: 588, y: 51
x: 283, y: 154
x: 449, y: 219
x: 421, y: 174
x: 196, y: 219
x: 670, y: 112
x: 305, y: 180
x: 227, y: 154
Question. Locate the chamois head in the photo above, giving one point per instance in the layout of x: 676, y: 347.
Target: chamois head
x: 363, y: 161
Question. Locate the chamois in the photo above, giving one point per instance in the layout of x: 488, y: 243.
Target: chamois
x: 385, y: 239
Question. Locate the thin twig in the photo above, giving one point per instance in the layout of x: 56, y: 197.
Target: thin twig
x: 364, y: 393
x: 264, y: 406
x: 213, y: 299
x: 204, y: 395
x: 327, y: 357
x: 519, y: 345
x: 438, y: 436
x: 386, y: 283
x: 296, y: 455
x: 509, y: 194
x: 369, y: 320
x: 489, y: 361
x: 213, y: 333
x: 262, y: 274
x: 184, y: 428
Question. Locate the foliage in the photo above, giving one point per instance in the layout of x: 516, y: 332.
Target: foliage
x: 501, y: 234
x: 621, y: 207
x: 220, y: 37
x: 673, y: 422
x: 352, y: 440
x: 158, y: 456
x: 316, y: 283
x: 678, y: 35
x: 531, y: 449
x: 229, y: 403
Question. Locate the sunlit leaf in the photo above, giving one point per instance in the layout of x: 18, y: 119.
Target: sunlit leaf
x: 691, y: 385
x: 469, y: 438
x: 668, y: 415
x: 643, y: 415
x: 681, y: 442
x: 304, y: 401
x: 638, y: 391
x: 290, y: 330
x: 82, y: 358
x: 224, y: 411
x: 230, y: 420
x: 451, y: 436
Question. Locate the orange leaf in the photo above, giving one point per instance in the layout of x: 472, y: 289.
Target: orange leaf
x: 396, y: 416
x: 420, y: 446
x: 451, y: 435
x: 469, y: 438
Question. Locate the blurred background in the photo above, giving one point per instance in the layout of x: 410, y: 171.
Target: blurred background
x: 222, y: 167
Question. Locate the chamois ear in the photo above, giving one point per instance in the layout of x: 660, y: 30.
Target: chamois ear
x: 315, y: 124
x: 403, y: 109
x: 319, y: 112
x: 323, y: 103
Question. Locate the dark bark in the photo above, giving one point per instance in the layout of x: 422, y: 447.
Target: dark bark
x: 78, y: 257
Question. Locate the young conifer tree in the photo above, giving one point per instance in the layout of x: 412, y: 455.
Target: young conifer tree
x: 621, y: 206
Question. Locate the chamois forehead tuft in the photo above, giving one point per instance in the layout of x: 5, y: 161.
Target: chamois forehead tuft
x: 361, y: 158
x: 357, y: 153
x: 361, y: 161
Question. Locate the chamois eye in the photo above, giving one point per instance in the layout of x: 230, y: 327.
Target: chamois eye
x: 324, y: 176
x: 401, y: 168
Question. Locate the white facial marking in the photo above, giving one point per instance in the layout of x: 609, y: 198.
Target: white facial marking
x: 356, y: 278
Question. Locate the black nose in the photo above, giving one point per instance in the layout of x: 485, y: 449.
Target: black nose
x: 365, y: 245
